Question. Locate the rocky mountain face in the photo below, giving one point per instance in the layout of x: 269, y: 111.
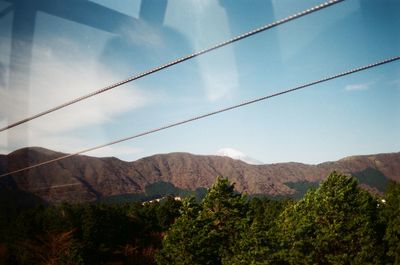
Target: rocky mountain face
x: 84, y: 178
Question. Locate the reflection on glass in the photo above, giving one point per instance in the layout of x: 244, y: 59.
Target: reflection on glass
x: 54, y: 51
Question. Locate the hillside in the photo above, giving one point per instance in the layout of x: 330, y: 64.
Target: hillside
x: 84, y: 178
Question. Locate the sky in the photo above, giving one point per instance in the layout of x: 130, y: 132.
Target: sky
x: 53, y: 52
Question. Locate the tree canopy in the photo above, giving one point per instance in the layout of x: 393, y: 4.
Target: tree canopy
x: 334, y: 223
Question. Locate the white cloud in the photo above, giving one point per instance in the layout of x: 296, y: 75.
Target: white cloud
x: 54, y: 80
x: 238, y: 155
x: 220, y: 83
x: 357, y: 87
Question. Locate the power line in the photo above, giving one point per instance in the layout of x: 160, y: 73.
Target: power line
x: 177, y: 61
x: 58, y: 186
x: 352, y: 71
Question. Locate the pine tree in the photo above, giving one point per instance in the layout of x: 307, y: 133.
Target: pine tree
x: 206, y: 233
x: 391, y: 212
x: 334, y: 224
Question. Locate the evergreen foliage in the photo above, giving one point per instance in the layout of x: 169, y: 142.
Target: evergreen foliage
x: 334, y: 223
x: 223, y: 229
x: 203, y: 233
x: 391, y: 214
x: 89, y: 234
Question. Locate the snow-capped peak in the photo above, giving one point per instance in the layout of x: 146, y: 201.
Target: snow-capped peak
x: 236, y: 154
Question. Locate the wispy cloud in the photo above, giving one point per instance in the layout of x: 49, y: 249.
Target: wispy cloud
x: 54, y: 80
x: 219, y: 83
x: 357, y: 87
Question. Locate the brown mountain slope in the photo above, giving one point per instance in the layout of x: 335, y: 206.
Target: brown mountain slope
x: 84, y: 178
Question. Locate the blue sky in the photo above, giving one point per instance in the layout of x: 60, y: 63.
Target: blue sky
x: 357, y: 114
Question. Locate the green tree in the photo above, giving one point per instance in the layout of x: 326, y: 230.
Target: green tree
x: 179, y: 246
x: 258, y: 240
x: 167, y: 212
x: 391, y: 212
x: 206, y: 233
x: 103, y: 229
x: 334, y: 224
x: 225, y: 212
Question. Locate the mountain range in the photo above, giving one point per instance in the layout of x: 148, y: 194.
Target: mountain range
x: 84, y: 178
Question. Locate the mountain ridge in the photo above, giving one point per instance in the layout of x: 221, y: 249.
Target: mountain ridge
x: 84, y: 178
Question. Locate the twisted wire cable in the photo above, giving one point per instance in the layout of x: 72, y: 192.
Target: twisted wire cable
x: 176, y: 61
x: 248, y: 102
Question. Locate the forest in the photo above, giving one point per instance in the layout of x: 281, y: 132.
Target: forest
x: 336, y: 222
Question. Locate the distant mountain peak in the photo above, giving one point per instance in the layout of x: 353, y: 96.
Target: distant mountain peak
x: 238, y: 155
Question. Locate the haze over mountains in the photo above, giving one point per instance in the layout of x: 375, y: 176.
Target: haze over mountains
x: 85, y: 178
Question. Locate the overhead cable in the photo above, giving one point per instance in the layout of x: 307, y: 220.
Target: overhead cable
x: 177, y: 61
x: 352, y: 71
